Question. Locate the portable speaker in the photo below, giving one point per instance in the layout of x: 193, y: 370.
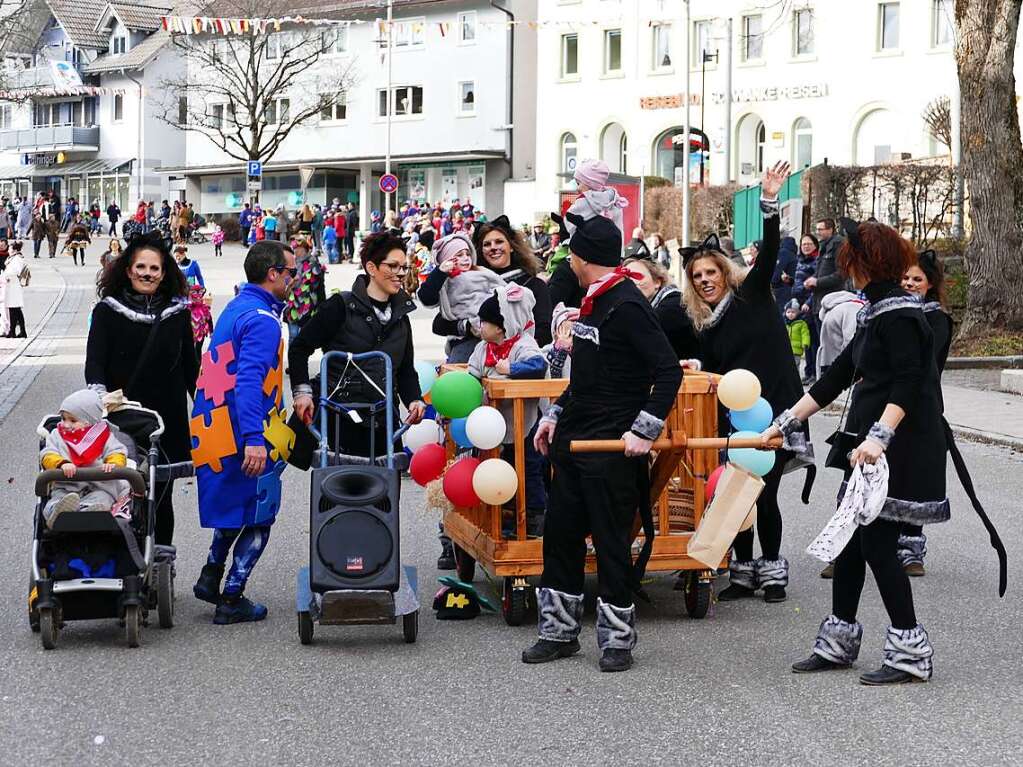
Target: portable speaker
x: 354, y: 529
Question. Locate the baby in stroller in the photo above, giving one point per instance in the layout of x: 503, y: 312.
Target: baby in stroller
x: 83, y: 439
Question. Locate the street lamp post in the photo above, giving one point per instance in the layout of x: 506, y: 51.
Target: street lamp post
x: 389, y: 99
x: 704, y: 58
x: 685, y: 133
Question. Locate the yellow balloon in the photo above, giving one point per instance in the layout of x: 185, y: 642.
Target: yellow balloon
x: 739, y: 389
x: 495, y: 481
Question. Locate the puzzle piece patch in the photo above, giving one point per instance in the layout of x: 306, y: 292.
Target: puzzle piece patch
x: 275, y: 378
x: 212, y: 442
x: 214, y: 381
x: 281, y: 436
x: 268, y: 494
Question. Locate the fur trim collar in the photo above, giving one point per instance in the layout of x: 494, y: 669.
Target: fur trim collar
x: 885, y: 305
x: 719, y: 311
x: 664, y: 293
x: 177, y: 305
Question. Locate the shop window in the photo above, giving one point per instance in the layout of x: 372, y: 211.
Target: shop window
x: 467, y: 27
x: 753, y: 37
x: 570, y: 55
x: 802, y: 32
x: 467, y: 97
x: 612, y: 51
x: 888, y: 26
x: 661, y: 46
x: 569, y: 151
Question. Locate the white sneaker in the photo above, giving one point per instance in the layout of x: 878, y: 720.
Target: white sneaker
x: 69, y: 502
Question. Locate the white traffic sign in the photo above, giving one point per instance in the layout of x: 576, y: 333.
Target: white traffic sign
x: 255, y: 185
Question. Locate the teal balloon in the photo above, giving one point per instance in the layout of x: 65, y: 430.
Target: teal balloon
x: 458, y: 433
x: 757, y: 462
x: 295, y: 198
x: 456, y: 394
x: 427, y: 375
x: 757, y: 418
x: 233, y: 200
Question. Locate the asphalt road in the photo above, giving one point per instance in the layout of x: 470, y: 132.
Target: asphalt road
x: 716, y: 691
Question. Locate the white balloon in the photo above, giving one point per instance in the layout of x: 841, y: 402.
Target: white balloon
x: 739, y: 389
x: 485, y: 427
x: 423, y: 433
x: 495, y: 481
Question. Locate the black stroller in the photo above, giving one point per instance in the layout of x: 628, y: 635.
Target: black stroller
x: 92, y: 565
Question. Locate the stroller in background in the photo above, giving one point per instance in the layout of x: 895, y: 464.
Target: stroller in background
x: 93, y: 565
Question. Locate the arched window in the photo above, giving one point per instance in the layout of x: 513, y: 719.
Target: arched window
x: 569, y: 150
x: 669, y: 153
x: 761, y: 145
x: 802, y: 144
x: 623, y: 153
x: 876, y: 138
x: 613, y: 145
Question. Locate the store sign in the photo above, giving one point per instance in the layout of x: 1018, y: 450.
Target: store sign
x: 41, y: 159
x: 673, y: 101
x: 774, y: 93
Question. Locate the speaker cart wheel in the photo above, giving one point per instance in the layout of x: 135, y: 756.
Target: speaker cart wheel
x: 165, y: 595
x: 305, y: 627
x: 513, y: 601
x: 132, y: 624
x: 49, y: 625
x: 698, y: 593
x: 410, y: 626
x: 465, y: 565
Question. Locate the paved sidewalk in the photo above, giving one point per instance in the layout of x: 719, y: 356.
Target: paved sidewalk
x: 986, y: 416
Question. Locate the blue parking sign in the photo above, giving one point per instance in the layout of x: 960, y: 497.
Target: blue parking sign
x: 255, y: 169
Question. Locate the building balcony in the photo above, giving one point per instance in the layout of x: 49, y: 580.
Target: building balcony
x: 53, y: 138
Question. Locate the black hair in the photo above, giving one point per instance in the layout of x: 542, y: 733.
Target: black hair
x: 816, y: 242
x: 427, y: 237
x: 829, y: 223
x: 376, y: 247
x: 262, y: 257
x: 114, y: 280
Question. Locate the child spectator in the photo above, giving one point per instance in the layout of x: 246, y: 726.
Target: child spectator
x: 596, y: 198
x: 82, y: 440
x: 218, y: 241
x: 330, y: 241
x: 799, y: 332
x: 559, y: 350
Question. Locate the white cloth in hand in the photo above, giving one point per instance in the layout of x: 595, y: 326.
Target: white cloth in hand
x: 865, y: 494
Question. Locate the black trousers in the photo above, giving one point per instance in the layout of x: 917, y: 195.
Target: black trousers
x: 164, y: 531
x: 768, y: 524
x: 815, y: 342
x: 594, y: 495
x: 355, y: 437
x: 17, y: 318
x: 876, y: 545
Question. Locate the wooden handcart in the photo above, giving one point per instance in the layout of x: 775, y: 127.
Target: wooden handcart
x: 677, y: 482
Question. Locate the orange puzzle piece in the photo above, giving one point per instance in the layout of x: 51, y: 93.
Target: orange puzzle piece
x: 213, y: 442
x: 275, y: 377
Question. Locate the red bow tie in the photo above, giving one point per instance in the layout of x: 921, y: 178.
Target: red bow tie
x: 498, y: 352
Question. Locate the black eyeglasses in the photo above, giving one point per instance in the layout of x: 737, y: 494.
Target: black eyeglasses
x: 395, y: 268
x: 292, y: 270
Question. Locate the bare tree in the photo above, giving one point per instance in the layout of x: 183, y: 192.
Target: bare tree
x: 992, y: 161
x: 19, y: 21
x: 937, y: 117
x: 246, y: 93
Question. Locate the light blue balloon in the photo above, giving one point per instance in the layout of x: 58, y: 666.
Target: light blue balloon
x: 758, y: 462
x: 427, y: 375
x: 757, y: 418
x: 458, y: 432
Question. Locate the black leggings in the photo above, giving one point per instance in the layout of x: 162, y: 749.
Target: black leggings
x: 768, y: 519
x: 17, y: 318
x: 875, y: 544
x: 164, y: 513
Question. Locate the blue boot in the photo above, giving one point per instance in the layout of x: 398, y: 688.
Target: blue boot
x: 238, y: 609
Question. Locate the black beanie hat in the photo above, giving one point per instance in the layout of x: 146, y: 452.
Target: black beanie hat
x: 490, y: 311
x: 596, y: 240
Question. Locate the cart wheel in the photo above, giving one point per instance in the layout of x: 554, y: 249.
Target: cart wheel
x: 132, y: 624
x: 513, y: 601
x: 410, y: 626
x: 698, y: 594
x: 49, y: 625
x: 165, y: 595
x: 465, y: 565
x: 305, y: 627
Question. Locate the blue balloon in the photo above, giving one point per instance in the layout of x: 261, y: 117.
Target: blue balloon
x: 757, y: 418
x: 430, y: 414
x: 757, y: 462
x: 427, y: 373
x: 458, y: 433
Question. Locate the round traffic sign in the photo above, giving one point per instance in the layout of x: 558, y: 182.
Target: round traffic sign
x: 388, y: 183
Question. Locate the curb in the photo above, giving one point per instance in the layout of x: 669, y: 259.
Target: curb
x: 974, y: 363
x: 40, y: 326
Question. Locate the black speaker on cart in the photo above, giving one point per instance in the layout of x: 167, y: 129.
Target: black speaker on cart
x: 354, y: 529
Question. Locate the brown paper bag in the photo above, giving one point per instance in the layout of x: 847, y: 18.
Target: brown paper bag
x: 733, y: 507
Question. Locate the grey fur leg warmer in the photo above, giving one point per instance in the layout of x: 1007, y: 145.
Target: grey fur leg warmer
x: 909, y: 650
x: 743, y: 573
x: 838, y: 641
x: 772, y: 572
x: 912, y: 549
x: 616, y: 626
x: 559, y: 615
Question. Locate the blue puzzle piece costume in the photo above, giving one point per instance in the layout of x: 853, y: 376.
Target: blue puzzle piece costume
x: 240, y: 385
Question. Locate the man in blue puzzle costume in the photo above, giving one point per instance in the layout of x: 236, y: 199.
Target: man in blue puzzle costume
x: 237, y: 447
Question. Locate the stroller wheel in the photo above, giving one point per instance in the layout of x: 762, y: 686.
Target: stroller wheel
x: 165, y: 595
x: 132, y: 624
x: 49, y: 625
x: 305, y: 627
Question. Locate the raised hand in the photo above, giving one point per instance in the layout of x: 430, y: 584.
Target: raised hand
x: 773, y: 179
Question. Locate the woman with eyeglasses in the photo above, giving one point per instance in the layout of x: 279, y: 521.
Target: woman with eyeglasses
x: 372, y: 316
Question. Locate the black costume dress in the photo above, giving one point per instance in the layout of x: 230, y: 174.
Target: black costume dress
x: 354, y: 322
x: 625, y: 377
x: 117, y: 336
x: 667, y: 306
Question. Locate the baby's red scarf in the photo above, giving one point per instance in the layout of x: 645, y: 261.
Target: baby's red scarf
x: 85, y: 444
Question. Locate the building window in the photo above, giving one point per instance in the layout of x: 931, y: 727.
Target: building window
x: 569, y: 150
x: 612, y: 51
x: 333, y: 109
x: 888, y: 26
x: 941, y: 33
x: 118, y: 108
x: 467, y: 27
x: 6, y: 117
x: 761, y: 146
x: 701, y: 45
x: 753, y: 37
x: 802, y: 144
x: 407, y: 100
x: 182, y: 111
x: 802, y: 32
x: 273, y: 47
x: 569, y: 55
x: 661, y: 46
x: 278, y: 111
x: 408, y: 33
x: 217, y: 116
x: 467, y: 97
x: 335, y: 40
x: 118, y: 45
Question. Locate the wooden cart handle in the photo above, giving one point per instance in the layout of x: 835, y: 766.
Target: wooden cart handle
x: 690, y: 443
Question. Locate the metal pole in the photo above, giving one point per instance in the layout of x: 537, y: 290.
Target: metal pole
x: 956, y: 151
x: 390, y: 99
x: 728, y: 105
x: 703, y: 111
x: 685, y: 131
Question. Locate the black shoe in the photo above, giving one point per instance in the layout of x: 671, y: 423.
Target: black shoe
x: 238, y: 609
x: 616, y: 660
x: 815, y: 663
x: 446, y: 560
x: 829, y: 571
x: 207, y: 588
x: 915, y: 569
x: 544, y: 651
x: 887, y: 675
x: 735, y: 591
x: 774, y: 594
